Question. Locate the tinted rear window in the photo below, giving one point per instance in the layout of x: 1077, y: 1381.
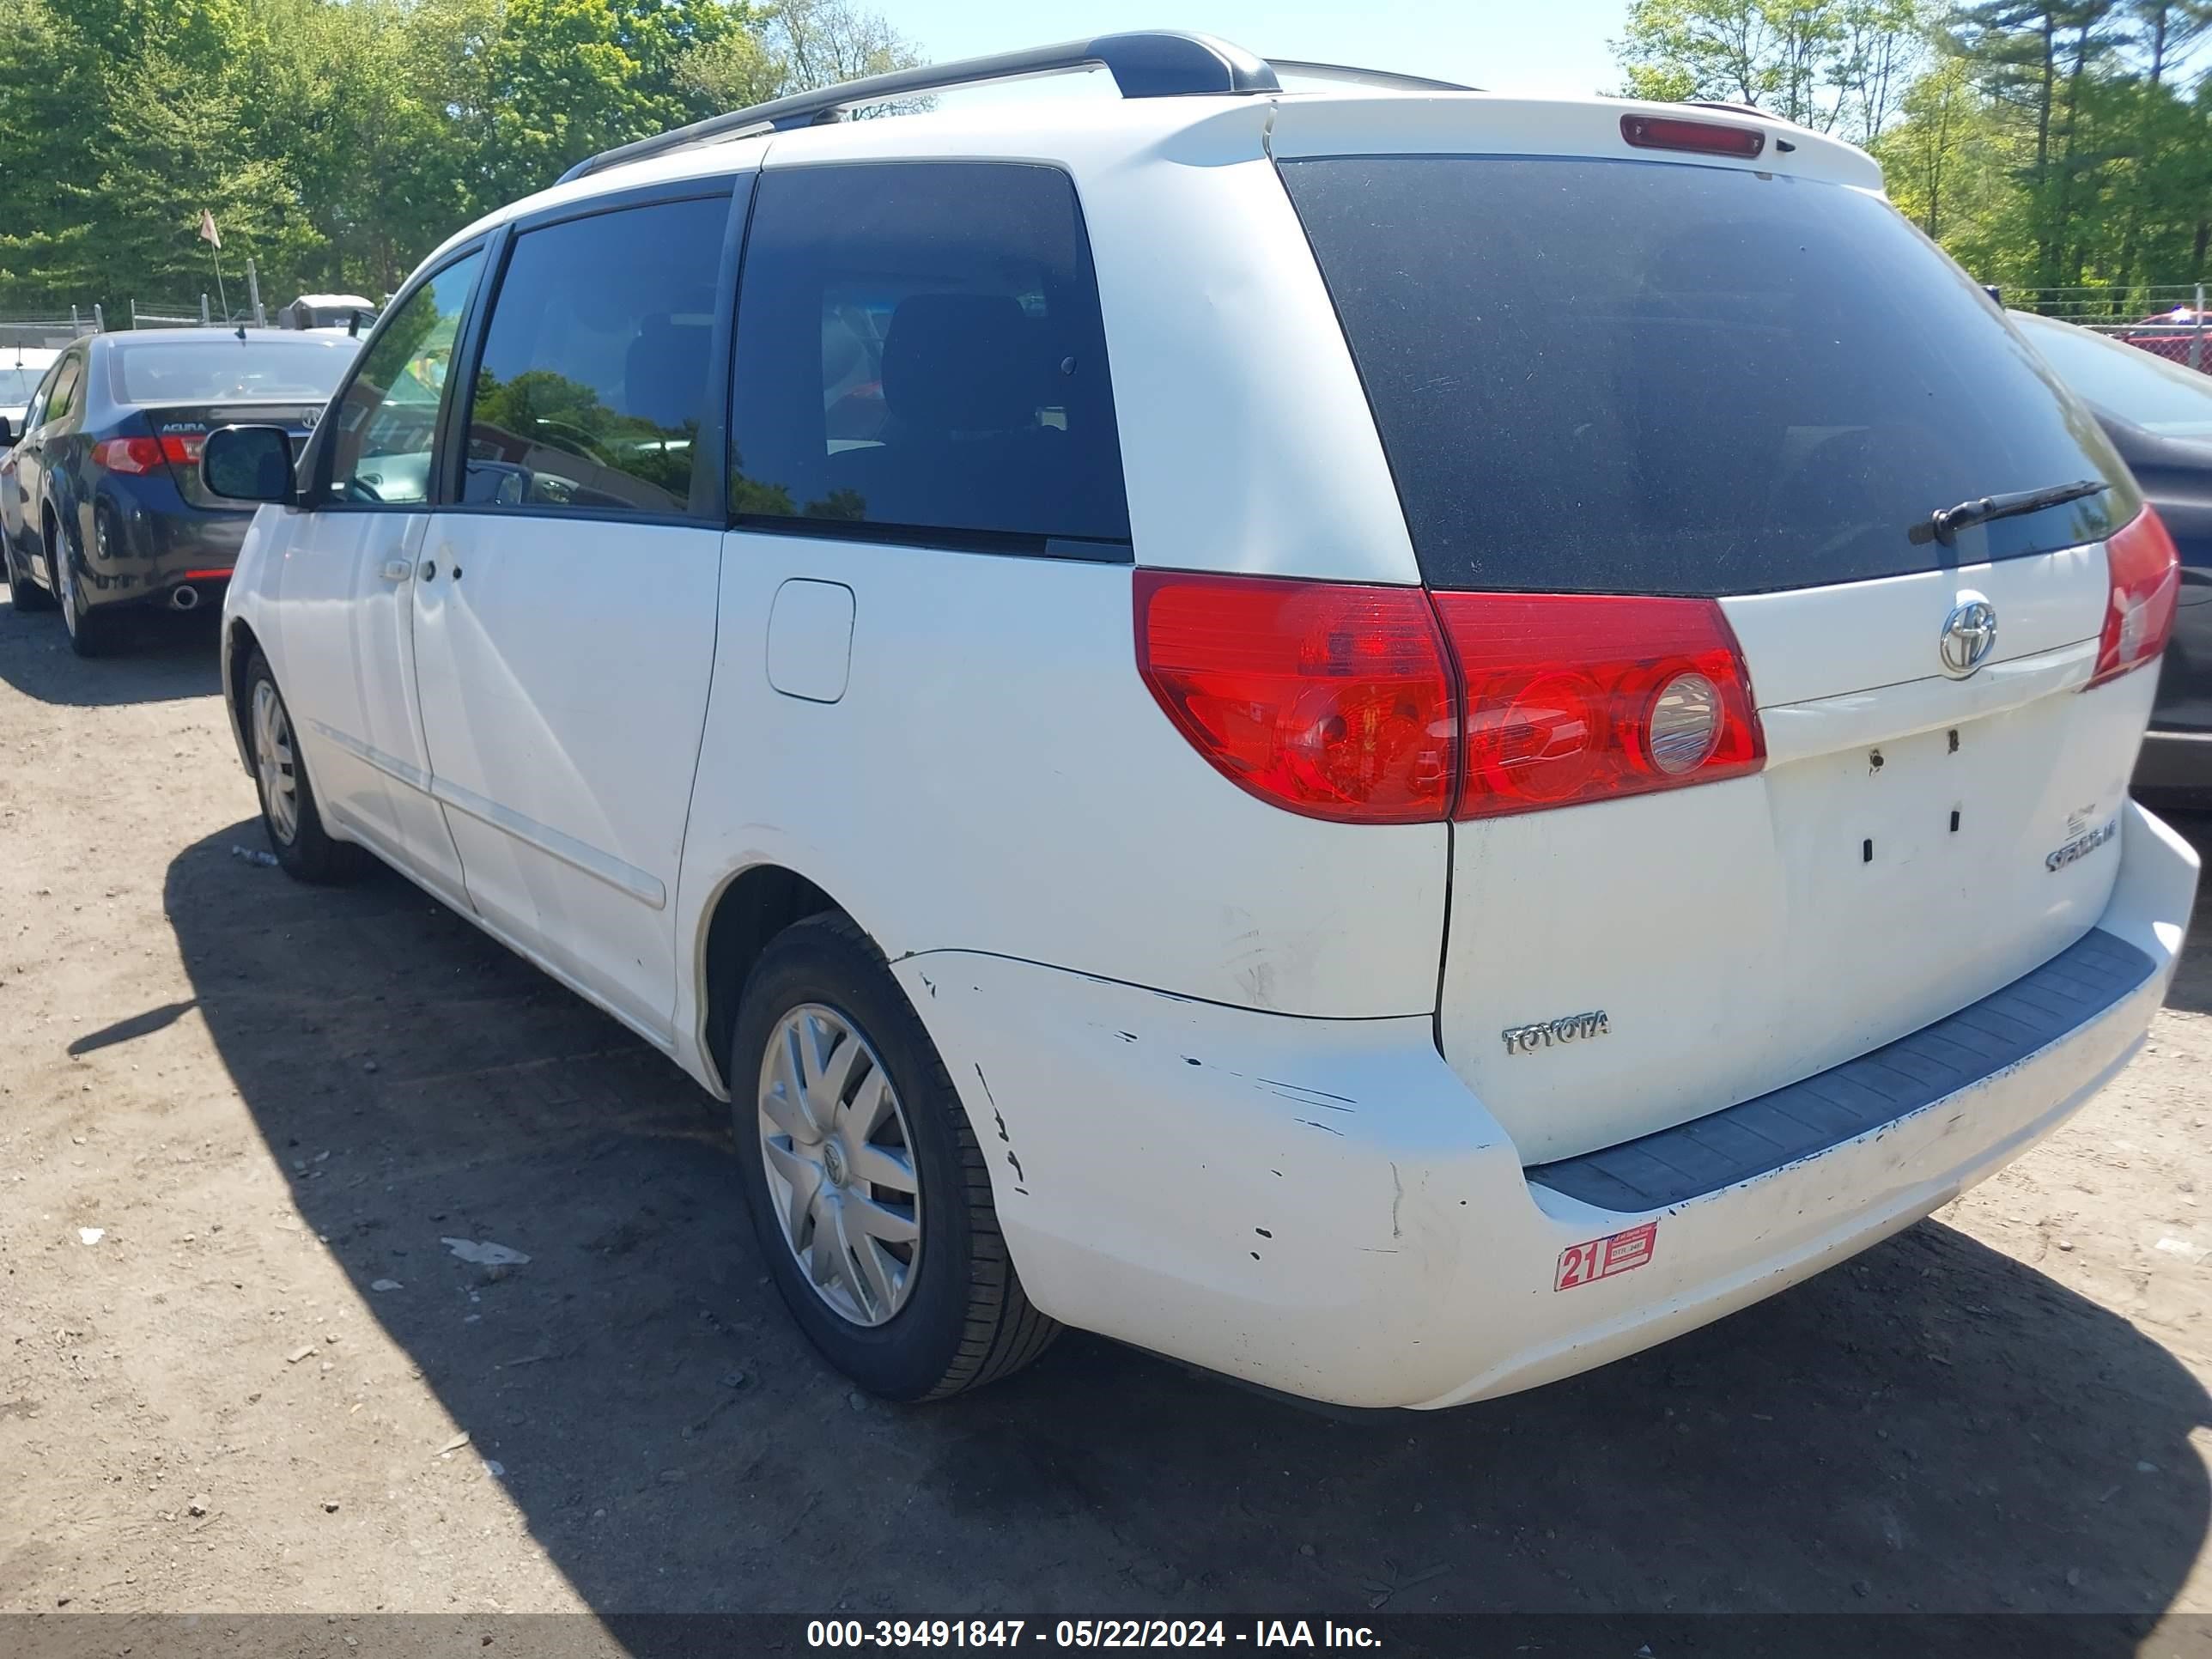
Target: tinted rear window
x: 224, y: 368
x: 1629, y: 377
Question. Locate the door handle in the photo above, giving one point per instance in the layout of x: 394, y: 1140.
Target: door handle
x: 397, y: 570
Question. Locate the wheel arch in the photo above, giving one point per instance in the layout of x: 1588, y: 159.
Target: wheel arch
x: 751, y: 906
x: 59, y: 509
x: 238, y: 645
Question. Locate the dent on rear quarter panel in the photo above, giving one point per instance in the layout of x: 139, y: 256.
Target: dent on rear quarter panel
x: 1009, y: 785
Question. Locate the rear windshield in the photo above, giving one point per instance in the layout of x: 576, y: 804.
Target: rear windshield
x: 1649, y: 378
x: 223, y: 368
x: 16, y: 385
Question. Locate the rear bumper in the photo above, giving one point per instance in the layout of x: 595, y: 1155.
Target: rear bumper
x: 155, y: 541
x: 1322, y: 1208
x: 2175, y: 764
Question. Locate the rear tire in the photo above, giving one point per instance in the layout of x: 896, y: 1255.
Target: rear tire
x: 89, y: 633
x: 294, y: 825
x: 956, y: 1317
x: 25, y: 594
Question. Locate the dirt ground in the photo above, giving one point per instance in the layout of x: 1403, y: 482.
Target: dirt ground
x: 238, y: 1119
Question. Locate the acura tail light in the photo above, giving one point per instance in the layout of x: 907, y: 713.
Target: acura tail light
x: 1331, y: 700
x: 1584, y: 696
x: 128, y: 454
x: 2143, y: 588
x: 184, y: 447
x: 1391, y: 705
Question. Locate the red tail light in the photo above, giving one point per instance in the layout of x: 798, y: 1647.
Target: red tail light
x: 1332, y: 700
x: 128, y: 454
x: 1698, y: 138
x: 183, y: 448
x: 1584, y: 696
x: 2144, y: 587
x: 1345, y: 702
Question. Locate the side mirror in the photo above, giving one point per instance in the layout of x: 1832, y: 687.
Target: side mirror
x: 7, y: 433
x: 249, y: 464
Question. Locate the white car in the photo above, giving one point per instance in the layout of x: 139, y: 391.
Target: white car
x: 22, y: 368
x: 1388, y: 740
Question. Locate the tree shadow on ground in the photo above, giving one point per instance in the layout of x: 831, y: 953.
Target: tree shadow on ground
x: 152, y: 656
x: 1936, y: 1428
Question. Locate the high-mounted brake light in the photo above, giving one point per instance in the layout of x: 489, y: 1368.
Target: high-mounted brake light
x: 2143, y: 588
x: 1698, y: 138
x: 1575, y: 697
x: 1348, y: 703
x: 1331, y: 700
x: 132, y: 455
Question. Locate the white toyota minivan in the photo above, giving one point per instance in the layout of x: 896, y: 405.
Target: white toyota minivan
x: 1389, y: 740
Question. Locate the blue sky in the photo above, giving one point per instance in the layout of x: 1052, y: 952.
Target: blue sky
x: 1506, y: 46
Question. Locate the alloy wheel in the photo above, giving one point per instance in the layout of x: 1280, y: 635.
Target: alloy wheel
x: 65, y: 589
x: 839, y: 1163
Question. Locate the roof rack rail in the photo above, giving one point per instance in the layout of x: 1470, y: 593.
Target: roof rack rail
x: 1390, y: 79
x: 1154, y: 63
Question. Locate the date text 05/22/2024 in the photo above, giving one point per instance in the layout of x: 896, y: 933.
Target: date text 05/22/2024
x: 904, y: 1633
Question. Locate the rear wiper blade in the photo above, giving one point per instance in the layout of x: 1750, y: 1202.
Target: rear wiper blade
x: 1945, y: 523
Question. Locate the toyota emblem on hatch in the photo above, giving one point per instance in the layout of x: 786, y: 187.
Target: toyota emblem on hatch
x: 1969, y: 633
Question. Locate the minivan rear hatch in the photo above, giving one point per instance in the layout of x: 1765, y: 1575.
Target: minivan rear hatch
x: 1747, y: 386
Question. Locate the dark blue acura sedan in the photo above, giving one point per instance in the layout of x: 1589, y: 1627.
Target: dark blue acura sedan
x: 101, y: 505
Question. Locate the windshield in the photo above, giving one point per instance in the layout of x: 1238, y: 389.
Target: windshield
x: 2139, y: 387
x: 1634, y: 377
x: 222, y: 367
x: 17, y: 385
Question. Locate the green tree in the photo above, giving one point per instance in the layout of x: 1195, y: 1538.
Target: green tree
x: 339, y: 140
x: 1839, y: 65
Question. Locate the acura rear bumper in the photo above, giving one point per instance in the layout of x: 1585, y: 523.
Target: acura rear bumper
x: 145, y: 542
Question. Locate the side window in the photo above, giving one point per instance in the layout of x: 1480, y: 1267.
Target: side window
x: 920, y: 347
x: 387, y: 415
x: 36, y: 413
x: 61, y: 402
x: 594, y: 383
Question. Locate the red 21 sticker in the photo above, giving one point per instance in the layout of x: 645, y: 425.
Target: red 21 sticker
x: 1601, y: 1258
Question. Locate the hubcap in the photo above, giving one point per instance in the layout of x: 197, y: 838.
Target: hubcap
x: 273, y: 764
x: 840, y: 1164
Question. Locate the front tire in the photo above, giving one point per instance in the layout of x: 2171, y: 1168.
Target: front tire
x: 869, y: 1195
x: 289, y: 814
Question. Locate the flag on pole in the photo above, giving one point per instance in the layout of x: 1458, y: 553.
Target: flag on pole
x: 209, y: 234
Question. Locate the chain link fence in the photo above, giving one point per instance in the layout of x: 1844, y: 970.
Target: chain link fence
x: 204, y: 313
x: 49, y: 330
